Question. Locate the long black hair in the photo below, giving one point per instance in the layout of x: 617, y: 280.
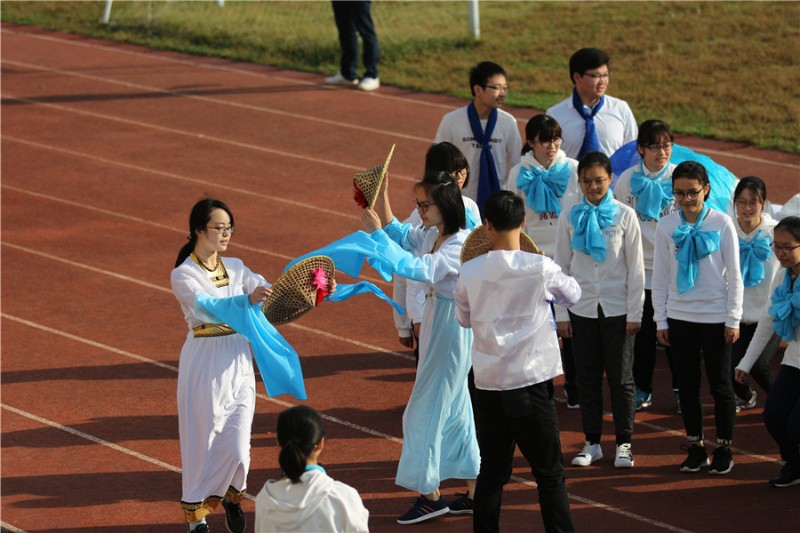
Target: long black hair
x: 441, y: 189
x: 299, y: 430
x: 198, y: 220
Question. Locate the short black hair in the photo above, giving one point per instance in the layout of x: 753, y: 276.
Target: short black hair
x: 586, y: 59
x: 504, y: 209
x: 543, y: 127
x: 446, y: 157
x: 480, y: 74
x: 652, y: 131
x: 754, y: 184
x: 790, y: 224
x: 692, y: 170
x: 592, y: 159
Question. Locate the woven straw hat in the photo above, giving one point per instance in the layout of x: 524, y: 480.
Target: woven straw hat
x: 478, y: 243
x: 369, y: 181
x: 295, y: 293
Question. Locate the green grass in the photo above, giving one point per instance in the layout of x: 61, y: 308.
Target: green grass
x: 725, y: 70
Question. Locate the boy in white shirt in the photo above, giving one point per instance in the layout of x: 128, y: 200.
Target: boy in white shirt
x: 600, y: 244
x: 504, y: 296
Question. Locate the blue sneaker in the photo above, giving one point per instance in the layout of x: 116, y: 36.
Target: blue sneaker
x: 643, y: 399
x: 424, y: 509
x: 463, y: 504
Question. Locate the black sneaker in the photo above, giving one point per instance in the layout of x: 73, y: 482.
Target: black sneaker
x: 697, y: 459
x: 202, y: 528
x: 787, y: 477
x: 722, y: 463
x: 424, y: 509
x: 235, y: 521
x: 571, y: 392
x: 463, y: 504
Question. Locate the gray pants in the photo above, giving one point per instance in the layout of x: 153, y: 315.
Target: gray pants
x: 601, y: 346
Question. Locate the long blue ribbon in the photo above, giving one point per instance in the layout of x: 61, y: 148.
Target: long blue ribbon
x: 488, y: 181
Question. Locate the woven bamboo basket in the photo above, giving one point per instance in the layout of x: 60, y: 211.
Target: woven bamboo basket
x: 478, y: 243
x: 293, y: 294
x: 369, y: 181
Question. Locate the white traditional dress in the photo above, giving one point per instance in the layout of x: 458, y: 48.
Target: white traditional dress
x: 216, y: 389
x: 439, y: 440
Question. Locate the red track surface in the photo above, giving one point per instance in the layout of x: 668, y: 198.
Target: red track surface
x: 105, y: 148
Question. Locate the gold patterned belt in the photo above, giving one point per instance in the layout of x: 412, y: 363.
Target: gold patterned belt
x: 212, y: 330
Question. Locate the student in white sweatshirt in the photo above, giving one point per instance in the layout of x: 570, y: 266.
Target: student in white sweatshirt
x: 697, y: 303
x: 306, y: 498
x: 547, y: 180
x: 782, y: 410
x: 647, y: 188
x: 754, y: 227
x: 599, y: 244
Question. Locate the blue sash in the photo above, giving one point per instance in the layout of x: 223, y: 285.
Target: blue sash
x: 590, y: 141
x: 488, y: 181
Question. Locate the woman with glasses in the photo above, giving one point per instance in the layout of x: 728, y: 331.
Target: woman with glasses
x: 647, y: 188
x: 598, y: 242
x: 754, y: 227
x: 697, y: 303
x: 782, y: 409
x: 216, y: 381
x: 440, y: 157
x: 439, y: 440
x: 548, y: 182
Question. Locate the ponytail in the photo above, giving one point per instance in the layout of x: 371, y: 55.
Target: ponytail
x: 300, y: 429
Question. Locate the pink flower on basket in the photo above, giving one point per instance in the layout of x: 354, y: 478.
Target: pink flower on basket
x: 319, y: 281
x: 359, y: 196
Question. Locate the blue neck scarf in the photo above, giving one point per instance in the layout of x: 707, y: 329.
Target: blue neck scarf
x: 315, y: 467
x: 693, y: 245
x: 785, y: 308
x: 652, y: 195
x: 590, y: 141
x: 488, y: 182
x: 588, y: 221
x: 752, y: 256
x: 544, y: 187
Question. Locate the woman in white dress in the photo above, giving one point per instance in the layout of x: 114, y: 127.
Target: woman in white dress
x: 216, y: 380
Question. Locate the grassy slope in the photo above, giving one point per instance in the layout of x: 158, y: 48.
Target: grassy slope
x: 727, y: 70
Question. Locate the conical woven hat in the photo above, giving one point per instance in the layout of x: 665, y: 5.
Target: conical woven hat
x: 479, y: 243
x: 369, y: 181
x: 294, y: 292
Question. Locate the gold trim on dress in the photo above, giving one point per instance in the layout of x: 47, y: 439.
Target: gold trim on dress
x: 212, y: 330
x: 197, y: 511
x: 218, y: 276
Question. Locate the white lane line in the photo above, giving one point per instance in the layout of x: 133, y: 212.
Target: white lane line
x: 157, y: 225
x: 219, y: 101
x: 272, y: 76
x: 178, y: 177
x: 10, y: 528
x: 91, y: 438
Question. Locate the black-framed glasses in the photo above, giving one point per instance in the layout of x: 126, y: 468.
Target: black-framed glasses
x: 597, y: 77
x: 498, y: 88
x: 554, y: 143
x: 597, y: 182
x: 423, y: 206
x: 691, y: 195
x: 222, y: 230
x: 777, y: 248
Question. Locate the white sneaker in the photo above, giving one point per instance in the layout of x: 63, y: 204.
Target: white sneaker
x: 369, y: 84
x: 338, y: 79
x: 624, y: 456
x: 588, y: 455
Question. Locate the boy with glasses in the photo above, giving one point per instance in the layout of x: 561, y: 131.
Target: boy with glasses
x: 488, y: 136
x: 592, y: 120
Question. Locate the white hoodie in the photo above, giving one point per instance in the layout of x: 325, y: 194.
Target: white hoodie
x: 318, y: 503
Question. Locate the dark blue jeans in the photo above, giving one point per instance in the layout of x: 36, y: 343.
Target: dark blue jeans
x: 526, y: 418
x: 354, y: 19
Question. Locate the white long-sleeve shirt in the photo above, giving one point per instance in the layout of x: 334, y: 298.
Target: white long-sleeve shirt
x: 504, y: 297
x: 756, y: 297
x: 506, y: 144
x: 617, y: 284
x: 791, y: 357
x: 718, y: 292
x: 542, y: 227
x: 614, y: 122
x: 623, y: 193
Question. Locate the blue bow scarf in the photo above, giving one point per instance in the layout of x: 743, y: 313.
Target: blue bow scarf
x: 652, y: 194
x: 588, y: 221
x: 276, y: 359
x: 693, y: 244
x: 544, y: 187
x: 752, y: 256
x: 785, y: 308
x: 472, y: 221
x: 488, y: 181
x: 590, y: 141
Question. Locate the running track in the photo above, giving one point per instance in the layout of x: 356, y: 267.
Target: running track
x: 105, y: 148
